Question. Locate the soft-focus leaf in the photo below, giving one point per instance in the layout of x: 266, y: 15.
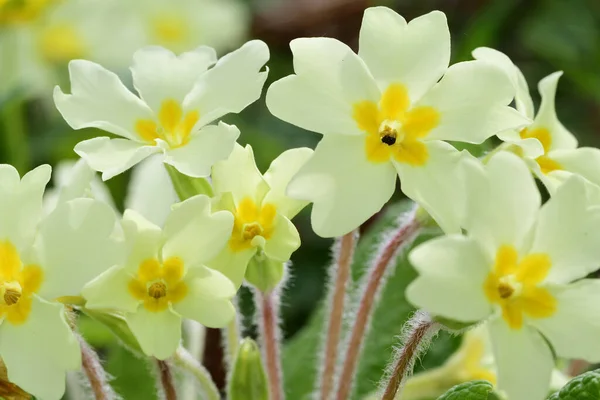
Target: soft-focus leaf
x: 583, y: 387
x: 474, y: 390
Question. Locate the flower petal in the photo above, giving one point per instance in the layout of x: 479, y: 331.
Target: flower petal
x: 344, y: 186
x: 232, y: 264
x: 577, y: 312
x: 143, y: 239
x: 523, y: 99
x: 575, y: 254
x: 414, y: 54
x: 193, y: 233
x: 547, y: 118
x: 211, y: 144
x: 583, y: 161
x: 284, y: 240
x: 158, y: 333
x: 159, y: 74
x: 437, y: 185
x: 208, y: 298
x: 279, y: 175
x: 452, y: 270
x: 100, y: 100
x: 524, y: 361
x: 113, y: 156
x: 75, y: 243
x: 330, y: 78
x: 472, y: 99
x: 21, y: 203
x: 38, y: 352
x: 110, y: 291
x: 231, y: 85
x: 239, y: 176
x: 503, y: 201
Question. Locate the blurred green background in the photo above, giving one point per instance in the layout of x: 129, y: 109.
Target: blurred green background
x: 541, y: 36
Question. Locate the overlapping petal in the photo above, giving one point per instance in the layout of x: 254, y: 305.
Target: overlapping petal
x: 583, y: 161
x: 110, y: 291
x: 232, y: 264
x: 158, y: 333
x: 284, y: 240
x: 143, y: 239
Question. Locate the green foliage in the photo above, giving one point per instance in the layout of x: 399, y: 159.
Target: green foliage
x: 248, y: 379
x: 474, y: 390
x: 301, y: 355
x: 186, y: 186
x: 582, y: 387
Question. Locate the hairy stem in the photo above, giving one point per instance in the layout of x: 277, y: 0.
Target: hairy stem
x: 96, y: 375
x: 232, y: 340
x: 184, y: 360
x: 340, y: 275
x: 195, y: 334
x: 268, y: 304
x: 400, y: 239
x: 166, y: 380
x: 417, y: 335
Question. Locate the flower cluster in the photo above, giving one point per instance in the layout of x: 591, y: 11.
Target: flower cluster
x: 389, y: 112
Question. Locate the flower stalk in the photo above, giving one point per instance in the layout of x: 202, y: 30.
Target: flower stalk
x: 184, y: 360
x: 418, y: 332
x: 339, y: 277
x: 166, y: 380
x: 268, y: 306
x: 96, y: 375
x: 401, y: 238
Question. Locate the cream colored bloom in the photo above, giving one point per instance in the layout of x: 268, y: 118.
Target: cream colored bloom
x: 546, y: 145
x: 261, y: 209
x: 521, y: 267
x: 164, y: 277
x: 42, y: 260
x: 179, y: 97
x: 386, y: 112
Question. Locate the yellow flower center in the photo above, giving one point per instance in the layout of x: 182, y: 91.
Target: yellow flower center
x: 61, y: 43
x: 546, y: 164
x: 18, y: 283
x: 513, y: 285
x: 157, y: 285
x: 251, y: 221
x: 174, y: 127
x: 19, y: 11
x: 170, y: 29
x: 393, y: 128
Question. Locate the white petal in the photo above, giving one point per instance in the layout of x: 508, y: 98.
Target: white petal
x: 231, y: 85
x: 472, y: 99
x: 524, y: 361
x: 207, y: 146
x: 567, y: 231
x: 523, y: 99
x: 284, y: 240
x: 239, y: 176
x: 21, y: 203
x: 150, y: 191
x: 38, y: 352
x: 329, y: 79
x: 232, y: 264
x: 113, y: 156
x: 195, y: 234
x: 143, y: 239
x: 100, y: 100
x: 503, y: 201
x: 110, y: 291
x: 577, y: 312
x: 344, y: 186
x: 279, y: 175
x: 159, y: 74
x: 414, y: 54
x: 531, y: 147
x: 208, y: 298
x: 438, y: 185
x: 452, y: 271
x: 584, y: 161
x: 158, y: 333
x: 74, y: 245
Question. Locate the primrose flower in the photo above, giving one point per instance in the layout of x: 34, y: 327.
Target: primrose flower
x: 521, y: 267
x: 384, y: 112
x: 179, y: 97
x: 164, y: 278
x: 260, y: 207
x: 42, y: 260
x: 546, y: 145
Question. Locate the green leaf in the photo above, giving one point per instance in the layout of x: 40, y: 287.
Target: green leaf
x: 583, y: 387
x: 474, y: 390
x: 301, y: 355
x: 117, y: 325
x: 186, y: 186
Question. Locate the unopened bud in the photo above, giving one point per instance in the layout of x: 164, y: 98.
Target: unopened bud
x: 263, y: 273
x: 248, y: 379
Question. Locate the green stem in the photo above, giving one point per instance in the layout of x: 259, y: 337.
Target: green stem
x: 16, y: 145
x: 186, y: 186
x: 184, y: 360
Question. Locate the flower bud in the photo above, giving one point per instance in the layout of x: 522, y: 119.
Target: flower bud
x: 263, y: 273
x: 248, y: 380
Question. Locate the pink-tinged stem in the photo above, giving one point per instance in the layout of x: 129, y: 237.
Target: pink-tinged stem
x: 166, y: 380
x: 401, y: 238
x: 420, y: 330
x: 269, y: 328
x: 94, y: 372
x: 341, y: 272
